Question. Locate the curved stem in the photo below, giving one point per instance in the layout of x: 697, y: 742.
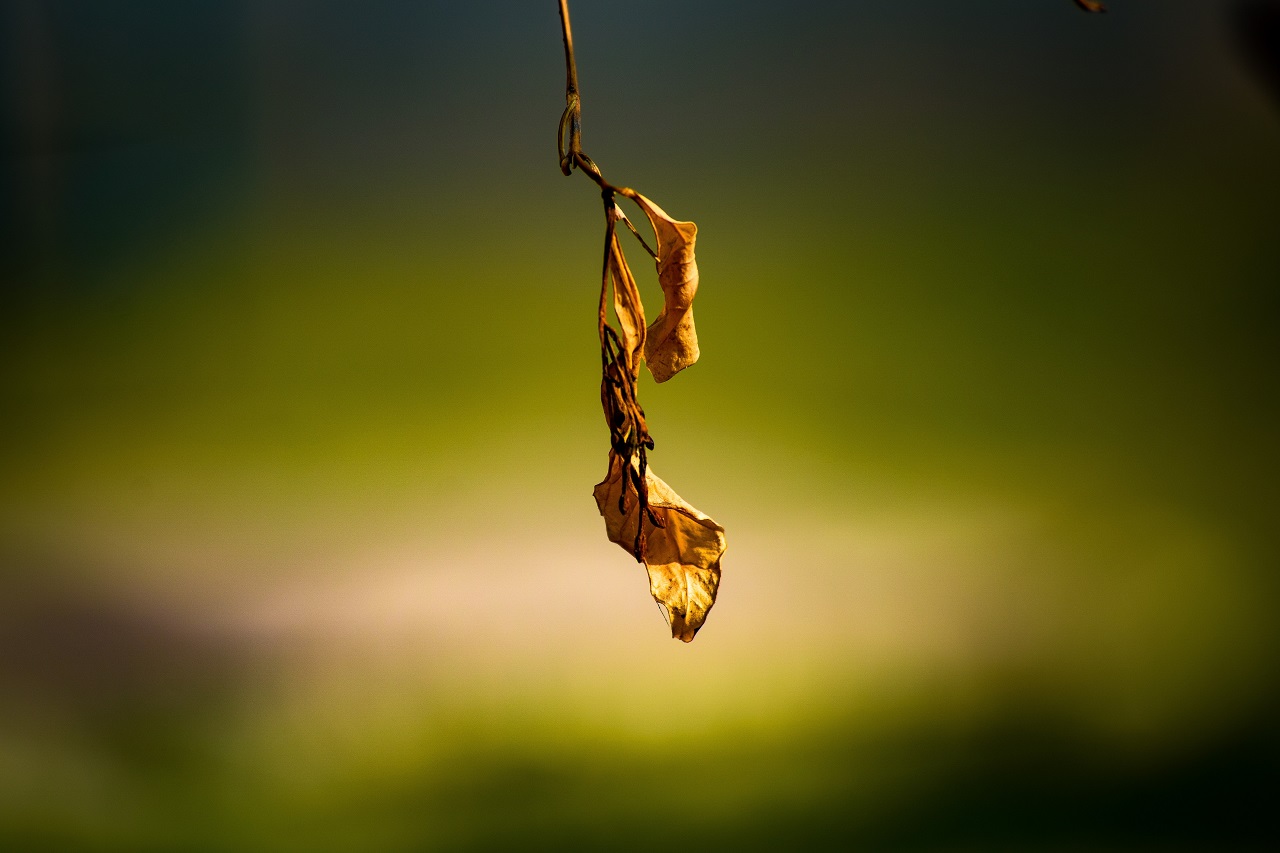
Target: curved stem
x: 571, y: 67
x: 570, y: 150
x: 572, y: 116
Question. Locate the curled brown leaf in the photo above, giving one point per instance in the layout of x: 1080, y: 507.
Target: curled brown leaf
x: 620, y: 368
x: 627, y: 306
x: 672, y: 340
x: 682, y: 549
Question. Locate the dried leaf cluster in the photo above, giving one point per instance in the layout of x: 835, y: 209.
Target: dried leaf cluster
x: 680, y: 546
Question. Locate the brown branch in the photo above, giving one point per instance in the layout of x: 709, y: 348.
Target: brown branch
x: 570, y: 150
x: 571, y: 67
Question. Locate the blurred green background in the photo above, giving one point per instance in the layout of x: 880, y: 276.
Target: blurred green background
x: 300, y: 424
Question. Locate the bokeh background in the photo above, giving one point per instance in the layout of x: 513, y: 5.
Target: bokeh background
x: 300, y: 420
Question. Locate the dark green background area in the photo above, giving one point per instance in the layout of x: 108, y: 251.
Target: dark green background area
x: 299, y: 421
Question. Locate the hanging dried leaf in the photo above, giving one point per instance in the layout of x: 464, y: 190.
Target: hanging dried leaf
x: 672, y: 343
x: 626, y: 300
x: 682, y: 549
x: 620, y: 368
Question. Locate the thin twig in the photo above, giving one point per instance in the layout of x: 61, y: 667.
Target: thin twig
x: 572, y: 116
x: 633, y: 230
x: 570, y: 150
x: 571, y: 67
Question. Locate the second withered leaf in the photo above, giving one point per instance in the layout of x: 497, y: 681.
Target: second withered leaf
x: 671, y: 344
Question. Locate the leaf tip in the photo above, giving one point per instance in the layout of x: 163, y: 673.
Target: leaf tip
x: 681, y: 629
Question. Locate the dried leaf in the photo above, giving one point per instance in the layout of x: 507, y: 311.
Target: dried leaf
x: 626, y: 302
x: 682, y: 551
x: 672, y: 343
x: 620, y: 368
x: 1091, y: 6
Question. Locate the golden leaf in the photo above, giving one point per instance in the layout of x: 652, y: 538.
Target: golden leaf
x: 682, y: 550
x: 626, y: 301
x: 672, y: 343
